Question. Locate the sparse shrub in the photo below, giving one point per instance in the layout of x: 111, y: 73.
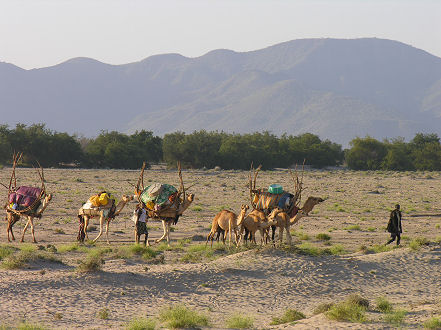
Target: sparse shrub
x: 197, y: 208
x: 358, y: 300
x: 336, y: 249
x: 6, y: 251
x: 323, y: 237
x: 92, y: 263
x: 104, y: 314
x: 239, y: 321
x: 380, y: 248
x: 395, y: 317
x: 372, y: 229
x: 179, y: 316
x: 141, y: 324
x: 416, y: 243
x: 383, y: 305
x: 21, y: 258
x: 322, y: 308
x: 353, y: 309
x: 309, y: 249
x: 59, y: 231
x: 433, y: 323
x: 290, y: 315
x: 353, y: 227
x: 29, y: 326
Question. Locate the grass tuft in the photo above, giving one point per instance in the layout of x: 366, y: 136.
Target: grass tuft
x: 239, y: 321
x: 179, y: 316
x: 21, y: 258
x: 353, y: 309
x: 104, y: 314
x: 383, y: 305
x: 395, y: 317
x: 417, y: 243
x: 141, y: 324
x: 290, y: 315
x: 323, y: 237
x: 322, y: 308
x: 433, y: 323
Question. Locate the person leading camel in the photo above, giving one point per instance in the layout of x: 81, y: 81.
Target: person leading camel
x: 141, y: 224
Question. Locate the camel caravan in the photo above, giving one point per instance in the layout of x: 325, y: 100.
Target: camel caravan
x: 270, y: 209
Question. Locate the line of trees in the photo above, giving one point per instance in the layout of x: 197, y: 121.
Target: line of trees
x: 209, y: 149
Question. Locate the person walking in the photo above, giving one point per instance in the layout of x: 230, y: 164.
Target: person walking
x: 394, y: 225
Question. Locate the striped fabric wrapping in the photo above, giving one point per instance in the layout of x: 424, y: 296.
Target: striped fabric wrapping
x: 267, y: 201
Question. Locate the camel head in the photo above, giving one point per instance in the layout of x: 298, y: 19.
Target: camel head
x: 244, y: 208
x: 127, y: 198
x: 310, y: 203
x: 190, y: 197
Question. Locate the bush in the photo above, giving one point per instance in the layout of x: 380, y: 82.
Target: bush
x: 433, y: 323
x: 416, y: 243
x: 353, y: 309
x: 322, y: 308
x: 141, y: 324
x: 179, y: 316
x: 21, y: 258
x: 290, y: 315
x: 92, y: 263
x: 104, y: 314
x: 395, y: 317
x: 239, y: 321
x: 383, y: 305
x: 323, y: 237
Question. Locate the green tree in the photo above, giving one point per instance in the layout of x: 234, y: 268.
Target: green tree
x: 365, y: 154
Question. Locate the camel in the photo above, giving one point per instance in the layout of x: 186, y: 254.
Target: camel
x: 25, y: 201
x: 104, y: 213
x: 227, y: 221
x: 12, y: 217
x: 178, y: 203
x: 171, y: 216
x: 284, y: 222
x: 254, y: 221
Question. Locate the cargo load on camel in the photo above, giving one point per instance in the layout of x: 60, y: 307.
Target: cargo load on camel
x: 266, y: 200
x: 158, y: 196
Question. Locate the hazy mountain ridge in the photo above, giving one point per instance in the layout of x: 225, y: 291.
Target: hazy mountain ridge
x: 335, y: 88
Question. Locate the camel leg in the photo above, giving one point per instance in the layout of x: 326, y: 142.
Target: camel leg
x: 288, y: 235
x: 165, y: 231
x: 168, y: 225
x: 31, y: 219
x: 240, y: 235
x: 210, y: 236
x: 280, y: 235
x: 107, y: 231
x: 86, y: 223
x: 101, y: 228
x: 24, y: 231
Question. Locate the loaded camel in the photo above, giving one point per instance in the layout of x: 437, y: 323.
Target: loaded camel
x: 172, y: 211
x: 104, y: 213
x: 286, y: 205
x: 226, y: 221
x: 26, y: 202
x: 284, y: 221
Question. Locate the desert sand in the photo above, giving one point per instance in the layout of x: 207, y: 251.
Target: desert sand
x: 260, y: 282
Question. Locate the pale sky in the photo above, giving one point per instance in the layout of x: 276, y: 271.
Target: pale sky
x: 40, y: 33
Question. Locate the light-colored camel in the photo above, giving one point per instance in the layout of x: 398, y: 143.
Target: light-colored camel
x: 171, y: 216
x: 103, y: 214
x: 284, y: 222
x: 12, y: 218
x: 254, y: 221
x: 227, y: 221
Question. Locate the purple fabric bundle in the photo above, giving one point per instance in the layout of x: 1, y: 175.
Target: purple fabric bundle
x: 24, y: 196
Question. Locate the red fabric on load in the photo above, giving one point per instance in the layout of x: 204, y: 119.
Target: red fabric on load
x: 25, y: 196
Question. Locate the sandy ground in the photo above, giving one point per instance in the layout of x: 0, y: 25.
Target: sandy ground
x: 260, y: 282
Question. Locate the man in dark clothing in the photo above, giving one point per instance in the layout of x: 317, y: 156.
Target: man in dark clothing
x: 394, y: 225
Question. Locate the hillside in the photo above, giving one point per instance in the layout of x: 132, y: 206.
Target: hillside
x: 335, y: 88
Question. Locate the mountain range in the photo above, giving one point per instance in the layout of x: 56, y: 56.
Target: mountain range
x: 335, y: 88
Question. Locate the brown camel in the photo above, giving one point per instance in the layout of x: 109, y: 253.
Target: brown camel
x: 284, y: 222
x: 254, y: 221
x: 227, y: 221
x: 171, y: 216
x: 12, y: 217
x: 104, y: 213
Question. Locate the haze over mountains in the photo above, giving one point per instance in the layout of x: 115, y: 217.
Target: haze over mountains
x: 338, y: 89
